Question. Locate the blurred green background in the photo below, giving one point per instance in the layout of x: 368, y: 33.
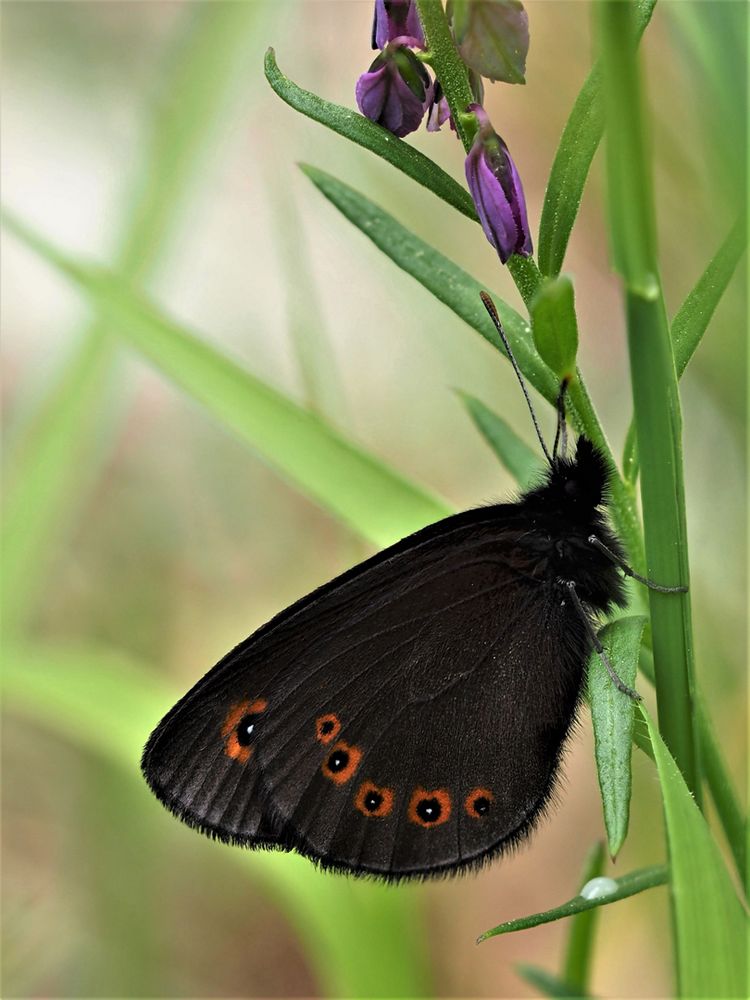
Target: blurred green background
x: 144, y: 136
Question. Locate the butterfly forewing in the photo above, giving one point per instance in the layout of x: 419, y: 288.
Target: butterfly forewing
x: 393, y: 721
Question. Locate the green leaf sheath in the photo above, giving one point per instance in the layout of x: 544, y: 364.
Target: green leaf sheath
x: 370, y: 136
x: 522, y: 462
x: 451, y: 285
x: 693, y: 317
x: 570, y: 168
x: 711, y: 926
x: 579, y: 951
x: 612, y: 716
x: 368, y: 496
x: 626, y: 885
x: 654, y: 382
x: 45, y: 485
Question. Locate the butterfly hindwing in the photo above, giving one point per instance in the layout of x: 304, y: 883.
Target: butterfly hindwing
x: 393, y: 721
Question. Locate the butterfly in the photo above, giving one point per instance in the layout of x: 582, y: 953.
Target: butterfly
x: 407, y: 719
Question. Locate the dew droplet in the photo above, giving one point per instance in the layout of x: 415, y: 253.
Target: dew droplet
x: 597, y: 888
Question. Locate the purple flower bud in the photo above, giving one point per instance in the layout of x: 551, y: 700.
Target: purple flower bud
x: 396, y: 90
x: 396, y: 19
x: 496, y: 189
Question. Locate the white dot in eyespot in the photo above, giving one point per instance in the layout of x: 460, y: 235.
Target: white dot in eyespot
x: 597, y: 888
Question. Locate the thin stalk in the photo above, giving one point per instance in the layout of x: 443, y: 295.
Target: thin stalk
x: 654, y: 383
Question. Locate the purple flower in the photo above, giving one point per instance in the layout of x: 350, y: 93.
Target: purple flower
x: 396, y: 90
x: 496, y: 189
x: 396, y: 19
x: 438, y: 113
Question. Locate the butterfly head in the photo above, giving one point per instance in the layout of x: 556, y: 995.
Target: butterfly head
x: 575, y: 485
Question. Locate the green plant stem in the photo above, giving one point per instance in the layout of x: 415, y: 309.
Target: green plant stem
x: 654, y: 383
x: 448, y: 66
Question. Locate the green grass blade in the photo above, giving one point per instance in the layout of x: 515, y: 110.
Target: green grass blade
x: 715, y: 770
x: 374, y: 137
x: 580, y: 948
x: 654, y: 381
x: 626, y: 885
x: 522, y: 462
x: 612, y: 715
x: 547, y: 984
x: 45, y: 481
x: 710, y: 922
x: 105, y: 703
x: 460, y: 292
x: 696, y: 312
x: 693, y: 317
x: 373, y: 499
x: 578, y: 143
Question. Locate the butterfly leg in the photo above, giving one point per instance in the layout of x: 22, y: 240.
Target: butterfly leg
x: 629, y: 571
x: 616, y: 679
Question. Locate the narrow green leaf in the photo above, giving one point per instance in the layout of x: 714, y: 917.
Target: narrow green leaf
x: 578, y: 143
x: 439, y: 275
x: 460, y: 292
x: 576, y: 971
x: 612, y: 714
x: 711, y: 925
x: 696, y: 312
x: 522, y: 462
x: 105, y: 703
x: 546, y: 983
x: 372, y: 498
x: 626, y: 885
x: 374, y: 137
x: 553, y: 321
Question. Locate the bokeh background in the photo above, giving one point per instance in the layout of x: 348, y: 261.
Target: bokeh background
x: 144, y: 135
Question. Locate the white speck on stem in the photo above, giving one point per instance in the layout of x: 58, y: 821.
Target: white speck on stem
x: 597, y: 888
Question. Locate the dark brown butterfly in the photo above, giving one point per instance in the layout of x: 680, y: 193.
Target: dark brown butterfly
x: 407, y: 719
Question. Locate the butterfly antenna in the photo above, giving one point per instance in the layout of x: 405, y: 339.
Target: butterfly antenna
x: 489, y: 305
x: 561, y: 435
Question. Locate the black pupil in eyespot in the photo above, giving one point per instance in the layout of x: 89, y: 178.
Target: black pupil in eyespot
x: 245, y: 730
x: 429, y: 810
x: 373, y: 801
x: 338, y: 760
x: 481, y: 805
x: 326, y: 727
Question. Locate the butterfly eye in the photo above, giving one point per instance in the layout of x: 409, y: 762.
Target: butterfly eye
x: 478, y: 802
x: 239, y: 728
x: 430, y: 808
x: 374, y: 801
x: 342, y: 762
x: 327, y: 728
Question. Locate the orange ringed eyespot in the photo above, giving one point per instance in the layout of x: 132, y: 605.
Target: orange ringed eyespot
x: 429, y: 808
x: 372, y: 800
x: 327, y: 728
x: 341, y: 763
x: 479, y: 802
x: 237, y: 728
